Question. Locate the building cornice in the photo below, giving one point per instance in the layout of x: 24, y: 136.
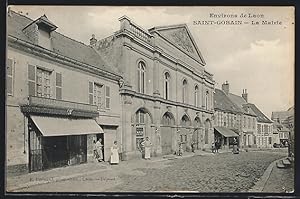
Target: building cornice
x: 162, y: 100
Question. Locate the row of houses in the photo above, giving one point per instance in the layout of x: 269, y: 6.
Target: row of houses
x: 284, y: 126
x: 62, y: 95
x: 235, y: 117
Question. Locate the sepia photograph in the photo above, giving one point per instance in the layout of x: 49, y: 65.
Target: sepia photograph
x: 191, y: 99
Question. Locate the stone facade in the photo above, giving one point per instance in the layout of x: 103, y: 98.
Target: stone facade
x: 132, y: 47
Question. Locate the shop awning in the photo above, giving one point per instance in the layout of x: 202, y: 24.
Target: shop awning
x: 226, y: 132
x: 54, y: 126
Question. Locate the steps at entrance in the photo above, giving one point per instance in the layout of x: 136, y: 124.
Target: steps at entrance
x: 280, y: 165
x: 286, y: 163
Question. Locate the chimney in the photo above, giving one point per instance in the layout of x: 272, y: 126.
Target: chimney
x: 225, y: 87
x: 245, y: 95
x: 93, y: 41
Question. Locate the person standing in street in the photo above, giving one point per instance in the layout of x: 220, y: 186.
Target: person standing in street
x: 99, y: 149
x: 180, y: 149
x: 114, y: 153
x: 213, y: 147
x: 235, y: 149
x: 193, y: 146
x: 217, y: 143
x: 147, y: 144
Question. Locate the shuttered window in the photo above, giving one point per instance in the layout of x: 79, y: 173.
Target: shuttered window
x: 9, y: 76
x: 43, y: 83
x: 91, y: 93
x: 31, y: 80
x: 107, y: 97
x: 99, y: 96
x: 58, y: 86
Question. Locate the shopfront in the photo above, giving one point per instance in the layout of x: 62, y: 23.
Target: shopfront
x: 226, y: 137
x: 59, y: 141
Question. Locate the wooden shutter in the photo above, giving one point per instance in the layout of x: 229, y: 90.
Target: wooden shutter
x: 58, y: 86
x: 9, y: 76
x: 107, y: 97
x: 31, y: 80
x: 91, y: 93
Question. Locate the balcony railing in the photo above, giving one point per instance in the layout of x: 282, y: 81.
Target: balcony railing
x: 139, y: 32
x: 47, y: 102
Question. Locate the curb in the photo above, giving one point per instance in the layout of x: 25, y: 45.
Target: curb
x: 260, y: 185
x: 55, y: 179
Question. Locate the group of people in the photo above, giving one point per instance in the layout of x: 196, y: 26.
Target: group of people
x: 114, y: 152
x: 215, y: 146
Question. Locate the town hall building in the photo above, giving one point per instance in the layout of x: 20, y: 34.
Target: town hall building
x: 167, y: 93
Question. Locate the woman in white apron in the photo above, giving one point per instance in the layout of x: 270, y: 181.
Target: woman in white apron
x: 114, y: 153
x: 147, y: 145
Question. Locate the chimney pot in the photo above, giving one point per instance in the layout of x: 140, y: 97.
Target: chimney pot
x: 245, y: 95
x: 225, y: 87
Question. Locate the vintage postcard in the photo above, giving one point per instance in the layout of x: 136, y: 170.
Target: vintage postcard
x: 150, y: 99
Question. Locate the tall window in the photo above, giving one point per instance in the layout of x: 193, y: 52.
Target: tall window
x: 98, y: 95
x: 9, y: 76
x: 249, y: 123
x: 140, y: 117
x: 196, y: 94
x: 265, y: 128
x: 43, y: 83
x: 141, y: 77
x: 107, y: 97
x: 58, y: 85
x: 258, y: 128
x: 167, y: 85
x: 206, y: 99
x: 184, y: 91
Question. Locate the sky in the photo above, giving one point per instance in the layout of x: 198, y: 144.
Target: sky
x: 259, y: 58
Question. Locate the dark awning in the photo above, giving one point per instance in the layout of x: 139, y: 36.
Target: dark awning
x: 226, y: 132
x: 54, y: 126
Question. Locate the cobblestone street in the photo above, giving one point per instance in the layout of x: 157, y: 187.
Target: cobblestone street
x: 223, y: 172
x: 220, y: 173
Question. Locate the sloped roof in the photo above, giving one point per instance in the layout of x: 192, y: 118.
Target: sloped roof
x: 260, y: 116
x: 222, y: 102
x: 61, y: 44
x: 238, y: 100
x: 281, y: 115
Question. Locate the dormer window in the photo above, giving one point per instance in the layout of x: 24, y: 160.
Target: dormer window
x: 39, y: 32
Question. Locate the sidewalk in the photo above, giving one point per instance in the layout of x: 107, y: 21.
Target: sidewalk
x: 53, y: 175
x: 275, y: 180
x: 64, y: 173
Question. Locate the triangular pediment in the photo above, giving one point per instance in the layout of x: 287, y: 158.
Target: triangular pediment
x: 180, y: 36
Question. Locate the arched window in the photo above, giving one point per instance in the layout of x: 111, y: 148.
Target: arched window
x: 196, y: 94
x: 140, y: 117
x: 141, y: 77
x: 206, y: 100
x: 184, y: 91
x: 167, y: 85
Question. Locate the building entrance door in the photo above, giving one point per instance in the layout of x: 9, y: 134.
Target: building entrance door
x: 166, y: 140
x: 167, y: 134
